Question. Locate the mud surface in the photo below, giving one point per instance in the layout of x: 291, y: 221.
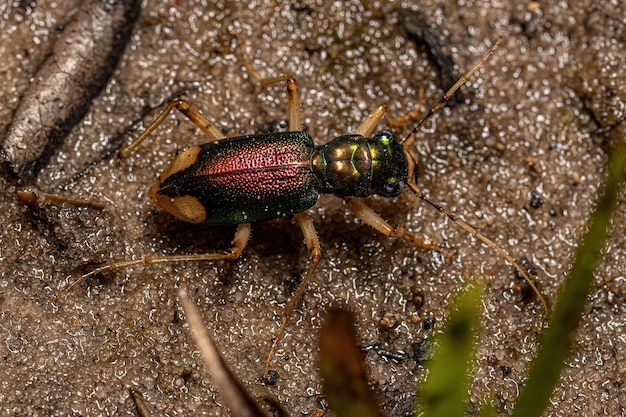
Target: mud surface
x: 519, y: 154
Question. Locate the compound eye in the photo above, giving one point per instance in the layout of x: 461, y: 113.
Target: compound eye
x: 385, y: 136
x: 393, y: 187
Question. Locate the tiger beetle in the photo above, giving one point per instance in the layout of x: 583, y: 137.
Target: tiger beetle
x: 247, y: 179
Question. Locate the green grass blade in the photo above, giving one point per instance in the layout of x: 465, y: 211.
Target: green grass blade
x: 445, y: 390
x: 559, y: 337
x: 488, y: 410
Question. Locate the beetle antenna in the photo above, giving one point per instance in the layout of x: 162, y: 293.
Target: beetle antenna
x: 412, y: 163
x: 411, y: 136
x: 529, y: 278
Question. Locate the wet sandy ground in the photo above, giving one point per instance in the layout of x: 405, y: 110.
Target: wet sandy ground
x: 538, y: 119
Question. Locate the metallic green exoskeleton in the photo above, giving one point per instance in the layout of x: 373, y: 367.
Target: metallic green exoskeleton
x: 260, y: 177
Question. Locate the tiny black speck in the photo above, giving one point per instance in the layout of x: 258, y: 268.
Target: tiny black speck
x: 272, y: 378
x: 429, y: 323
x: 535, y: 200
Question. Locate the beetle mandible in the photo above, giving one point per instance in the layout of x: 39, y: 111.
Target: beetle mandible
x: 247, y: 179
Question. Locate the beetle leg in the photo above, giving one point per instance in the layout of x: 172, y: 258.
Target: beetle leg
x: 187, y: 109
x: 239, y: 242
x: 32, y: 198
x: 293, y: 99
x: 315, y: 252
x: 369, y: 216
x: 396, y: 122
x: 368, y: 125
x: 293, y: 94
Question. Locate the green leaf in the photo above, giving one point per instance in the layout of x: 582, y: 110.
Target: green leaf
x: 445, y: 390
x: 559, y: 337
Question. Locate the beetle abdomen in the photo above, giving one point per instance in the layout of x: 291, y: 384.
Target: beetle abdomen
x: 240, y: 180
